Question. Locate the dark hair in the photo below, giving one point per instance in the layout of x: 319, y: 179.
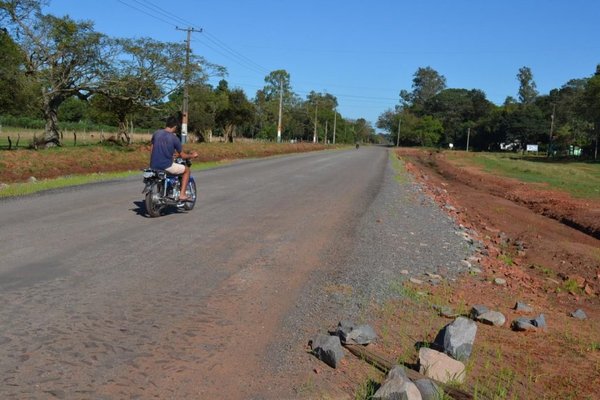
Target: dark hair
x: 172, y: 122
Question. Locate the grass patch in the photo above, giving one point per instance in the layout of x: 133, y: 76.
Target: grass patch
x: 25, y: 188
x: 67, y: 166
x: 577, y: 178
x: 398, y: 165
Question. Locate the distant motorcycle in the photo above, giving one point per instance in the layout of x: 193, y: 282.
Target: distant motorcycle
x: 163, y: 190
x: 357, y: 146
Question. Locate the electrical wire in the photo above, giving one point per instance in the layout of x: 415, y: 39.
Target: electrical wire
x: 225, y: 50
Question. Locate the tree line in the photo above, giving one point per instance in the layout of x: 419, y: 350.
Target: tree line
x: 433, y: 115
x: 61, y: 70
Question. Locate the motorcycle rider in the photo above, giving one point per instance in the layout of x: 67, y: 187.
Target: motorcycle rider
x: 166, y: 144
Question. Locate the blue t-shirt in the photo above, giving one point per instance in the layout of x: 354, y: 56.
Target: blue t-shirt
x: 163, y: 145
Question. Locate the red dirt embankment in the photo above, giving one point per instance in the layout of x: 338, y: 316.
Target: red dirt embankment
x: 545, y: 244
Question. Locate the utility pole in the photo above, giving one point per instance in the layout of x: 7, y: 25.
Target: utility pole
x: 315, y: 131
x: 468, y: 137
x: 186, y: 78
x: 596, y: 127
x: 398, y: 138
x: 325, y: 138
x: 280, y: 110
x: 334, y: 124
x: 551, y: 130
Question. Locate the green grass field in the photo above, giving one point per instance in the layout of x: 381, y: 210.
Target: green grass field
x: 580, y: 179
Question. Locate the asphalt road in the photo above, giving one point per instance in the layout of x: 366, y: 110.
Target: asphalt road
x: 99, y: 301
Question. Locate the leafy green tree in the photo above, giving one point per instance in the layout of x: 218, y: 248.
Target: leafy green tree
x: 527, y: 87
x: 144, y: 73
x: 236, y: 110
x: 428, y: 131
x: 277, y: 84
x: 16, y: 90
x: 591, y: 99
x: 73, y: 109
x: 427, y: 82
x: 65, y: 57
x: 526, y: 125
x: 458, y: 109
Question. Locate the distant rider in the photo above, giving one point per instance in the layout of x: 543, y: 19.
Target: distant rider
x: 165, y: 144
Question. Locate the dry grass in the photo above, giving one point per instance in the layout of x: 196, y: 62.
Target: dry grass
x: 89, y: 163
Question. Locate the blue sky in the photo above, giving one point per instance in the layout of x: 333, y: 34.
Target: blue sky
x: 365, y: 52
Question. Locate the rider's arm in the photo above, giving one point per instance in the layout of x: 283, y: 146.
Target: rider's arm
x: 186, y: 156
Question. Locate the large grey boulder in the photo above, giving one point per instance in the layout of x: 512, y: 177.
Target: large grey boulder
x: 328, y: 349
x: 397, y: 386
x: 458, y: 338
x: 436, y: 365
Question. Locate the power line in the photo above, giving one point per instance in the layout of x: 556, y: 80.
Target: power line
x: 152, y: 10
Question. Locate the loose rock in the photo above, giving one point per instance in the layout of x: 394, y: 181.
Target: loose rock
x: 397, y: 386
x: 523, y: 324
x: 539, y: 321
x: 492, y: 318
x: 523, y: 307
x: 477, y: 310
x: 458, y: 338
x: 579, y: 314
x: 500, y: 281
x: 416, y: 281
x: 349, y: 332
x: 328, y: 349
x: 439, y: 366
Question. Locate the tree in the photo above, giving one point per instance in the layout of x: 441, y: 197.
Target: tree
x: 526, y: 125
x: 142, y: 75
x: 65, y: 57
x: 527, y: 86
x: 429, y: 131
x: 16, y: 90
x: 458, y: 109
x: 427, y: 82
x: 237, y: 110
x: 591, y: 98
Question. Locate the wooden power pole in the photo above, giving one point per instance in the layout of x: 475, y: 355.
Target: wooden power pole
x: 186, y: 78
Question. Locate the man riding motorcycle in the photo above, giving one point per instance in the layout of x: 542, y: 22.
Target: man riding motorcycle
x: 166, y: 144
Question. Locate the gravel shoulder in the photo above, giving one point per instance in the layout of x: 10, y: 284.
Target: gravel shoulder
x: 402, y: 234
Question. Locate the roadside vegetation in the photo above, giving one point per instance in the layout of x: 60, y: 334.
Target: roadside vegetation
x: 29, y: 171
x: 580, y: 179
x: 563, y: 123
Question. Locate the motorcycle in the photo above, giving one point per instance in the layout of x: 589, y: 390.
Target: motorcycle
x: 163, y: 190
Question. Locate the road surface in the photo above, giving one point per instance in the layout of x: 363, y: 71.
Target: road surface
x: 99, y: 301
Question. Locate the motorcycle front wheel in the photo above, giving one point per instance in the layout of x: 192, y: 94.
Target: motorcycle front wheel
x: 191, y: 193
x: 152, y: 207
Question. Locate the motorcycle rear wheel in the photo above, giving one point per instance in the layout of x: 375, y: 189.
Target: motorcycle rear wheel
x: 191, y: 193
x: 152, y: 208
